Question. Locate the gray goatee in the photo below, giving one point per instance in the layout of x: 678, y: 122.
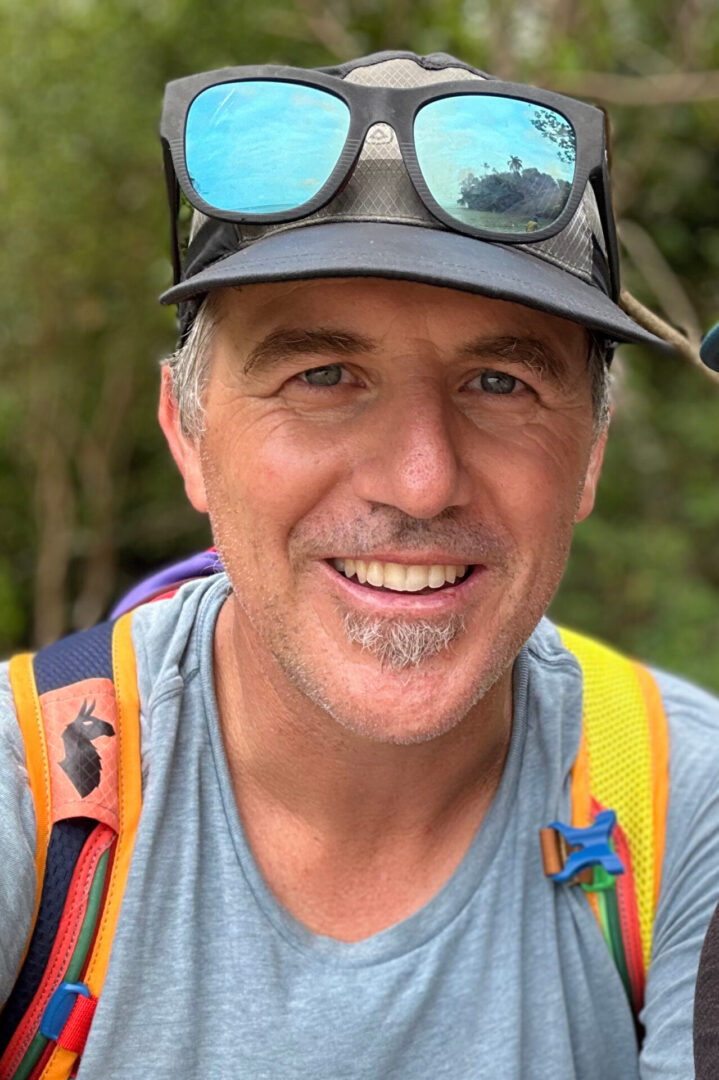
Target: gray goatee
x: 401, y: 643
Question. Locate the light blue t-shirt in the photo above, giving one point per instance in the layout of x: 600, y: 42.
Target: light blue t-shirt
x: 503, y: 974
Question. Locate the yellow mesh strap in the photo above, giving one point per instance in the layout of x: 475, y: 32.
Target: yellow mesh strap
x: 129, y: 781
x: 625, y: 740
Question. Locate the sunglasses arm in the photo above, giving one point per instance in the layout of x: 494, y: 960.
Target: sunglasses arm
x: 603, y: 192
x: 173, y: 199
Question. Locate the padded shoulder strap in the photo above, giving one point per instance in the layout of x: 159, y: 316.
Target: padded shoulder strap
x: 623, y: 765
x: 78, y: 710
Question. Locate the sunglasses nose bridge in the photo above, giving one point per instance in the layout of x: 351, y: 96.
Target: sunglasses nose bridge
x: 382, y: 120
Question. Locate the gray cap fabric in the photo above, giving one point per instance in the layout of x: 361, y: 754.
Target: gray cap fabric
x: 378, y: 226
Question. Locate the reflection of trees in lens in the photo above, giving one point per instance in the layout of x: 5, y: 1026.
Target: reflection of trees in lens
x: 529, y: 193
x: 555, y: 128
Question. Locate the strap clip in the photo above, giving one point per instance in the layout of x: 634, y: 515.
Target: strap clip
x: 68, y: 1016
x: 581, y: 856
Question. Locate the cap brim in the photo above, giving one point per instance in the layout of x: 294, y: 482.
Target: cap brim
x: 431, y: 256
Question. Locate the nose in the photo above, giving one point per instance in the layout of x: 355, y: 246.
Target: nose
x: 413, y: 459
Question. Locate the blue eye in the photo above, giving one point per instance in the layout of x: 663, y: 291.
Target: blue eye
x: 497, y: 382
x: 330, y: 375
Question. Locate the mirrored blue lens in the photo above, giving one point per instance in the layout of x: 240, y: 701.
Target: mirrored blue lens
x: 496, y: 163
x: 263, y: 147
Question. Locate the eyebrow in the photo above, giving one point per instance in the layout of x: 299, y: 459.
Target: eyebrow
x: 286, y: 342
x: 530, y: 353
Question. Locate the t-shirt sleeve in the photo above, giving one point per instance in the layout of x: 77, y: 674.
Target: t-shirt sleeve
x: 690, y: 880
x: 17, y: 842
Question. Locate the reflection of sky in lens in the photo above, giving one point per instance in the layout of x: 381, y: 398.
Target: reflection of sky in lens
x: 456, y: 136
x: 262, y: 146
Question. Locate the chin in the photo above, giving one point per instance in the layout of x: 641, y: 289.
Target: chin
x: 412, y: 705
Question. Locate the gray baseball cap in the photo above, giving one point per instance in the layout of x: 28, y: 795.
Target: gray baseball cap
x: 377, y: 226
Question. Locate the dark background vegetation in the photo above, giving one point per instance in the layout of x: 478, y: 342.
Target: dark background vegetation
x: 89, y: 499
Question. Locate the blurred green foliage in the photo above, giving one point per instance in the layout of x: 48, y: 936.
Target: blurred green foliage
x: 90, y: 499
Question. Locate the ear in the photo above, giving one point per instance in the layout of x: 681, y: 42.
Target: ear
x: 185, y: 451
x: 594, y: 468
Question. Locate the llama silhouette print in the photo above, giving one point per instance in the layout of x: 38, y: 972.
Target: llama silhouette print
x: 82, y: 763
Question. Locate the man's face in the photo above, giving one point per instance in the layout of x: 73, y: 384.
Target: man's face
x: 437, y: 443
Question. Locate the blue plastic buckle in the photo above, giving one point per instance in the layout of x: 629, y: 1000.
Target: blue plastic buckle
x: 592, y: 847
x: 59, y: 1008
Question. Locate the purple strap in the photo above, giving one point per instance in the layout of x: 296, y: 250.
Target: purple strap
x: 202, y: 564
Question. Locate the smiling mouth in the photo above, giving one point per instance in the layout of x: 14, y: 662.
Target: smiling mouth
x: 396, y: 577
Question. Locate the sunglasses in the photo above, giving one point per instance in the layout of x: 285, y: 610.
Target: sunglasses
x: 494, y: 160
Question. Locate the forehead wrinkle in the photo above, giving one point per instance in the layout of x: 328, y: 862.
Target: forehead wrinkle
x: 531, y: 353
x: 285, y: 342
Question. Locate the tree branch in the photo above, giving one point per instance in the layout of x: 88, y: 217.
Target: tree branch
x: 663, y: 330
x: 327, y: 29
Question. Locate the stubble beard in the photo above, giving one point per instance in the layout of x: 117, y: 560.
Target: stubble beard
x: 407, y: 649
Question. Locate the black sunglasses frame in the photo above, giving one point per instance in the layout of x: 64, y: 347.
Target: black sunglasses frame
x: 397, y: 107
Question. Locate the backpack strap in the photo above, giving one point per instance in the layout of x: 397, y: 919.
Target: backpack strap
x: 622, y: 766
x: 78, y: 710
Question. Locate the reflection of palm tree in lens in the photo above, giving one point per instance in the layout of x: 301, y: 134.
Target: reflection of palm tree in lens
x: 515, y: 164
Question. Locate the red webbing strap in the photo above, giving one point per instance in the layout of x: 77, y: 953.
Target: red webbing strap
x: 64, y: 950
x: 74, y: 1035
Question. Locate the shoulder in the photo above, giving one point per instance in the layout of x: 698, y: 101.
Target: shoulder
x: 170, y: 635
x: 692, y: 712
x: 692, y: 716
x: 693, y: 810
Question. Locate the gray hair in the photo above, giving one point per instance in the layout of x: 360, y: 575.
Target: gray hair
x: 190, y: 365
x: 601, y: 380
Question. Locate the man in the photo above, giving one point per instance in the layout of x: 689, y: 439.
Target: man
x: 393, y: 409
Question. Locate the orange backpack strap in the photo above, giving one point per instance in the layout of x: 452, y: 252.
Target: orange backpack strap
x: 78, y: 710
x: 622, y: 767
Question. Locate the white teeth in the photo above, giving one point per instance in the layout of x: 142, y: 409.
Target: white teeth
x: 375, y: 573
x: 398, y: 577
x: 435, y: 577
x: 394, y: 576
x: 416, y: 578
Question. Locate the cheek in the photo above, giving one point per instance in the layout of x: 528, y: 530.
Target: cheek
x: 265, y: 471
x: 533, y: 477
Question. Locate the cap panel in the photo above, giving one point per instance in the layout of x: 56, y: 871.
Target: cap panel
x: 571, y: 249
x: 405, y: 73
